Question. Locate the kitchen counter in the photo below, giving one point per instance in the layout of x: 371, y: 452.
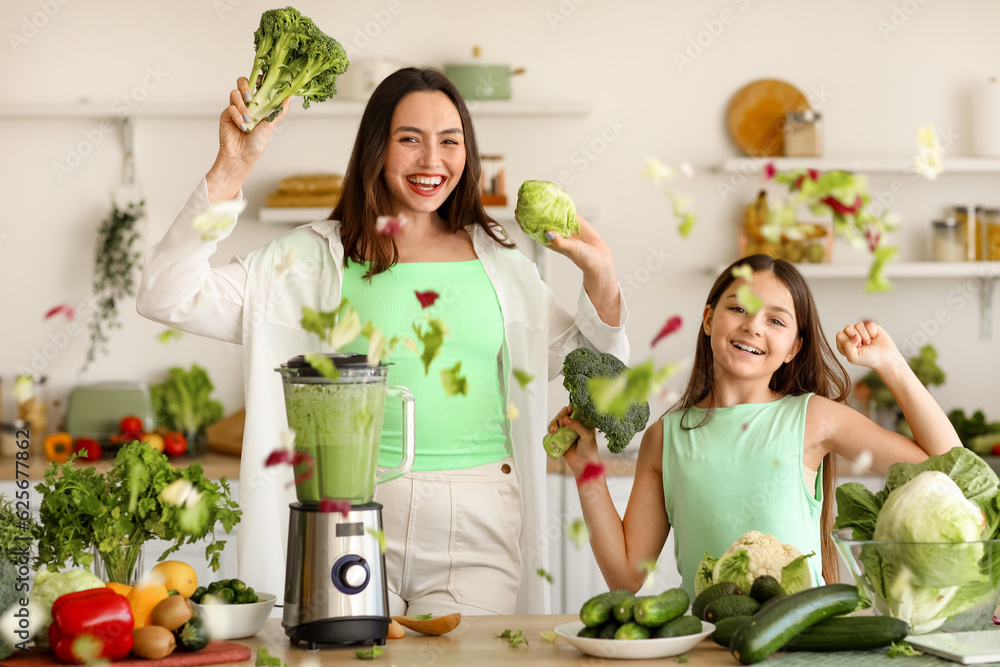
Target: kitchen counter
x: 473, y: 642
x: 215, y: 466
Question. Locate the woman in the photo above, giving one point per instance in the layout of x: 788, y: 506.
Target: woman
x: 415, y: 156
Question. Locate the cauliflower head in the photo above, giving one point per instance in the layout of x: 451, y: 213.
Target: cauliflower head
x: 755, y: 554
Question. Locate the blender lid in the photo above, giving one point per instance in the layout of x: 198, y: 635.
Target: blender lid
x: 343, y: 362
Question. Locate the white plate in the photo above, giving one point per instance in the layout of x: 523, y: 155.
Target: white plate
x: 632, y: 649
x: 968, y: 648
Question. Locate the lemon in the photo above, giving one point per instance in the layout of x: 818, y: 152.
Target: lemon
x: 176, y: 575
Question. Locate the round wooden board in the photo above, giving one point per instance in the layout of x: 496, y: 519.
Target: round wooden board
x: 756, y: 116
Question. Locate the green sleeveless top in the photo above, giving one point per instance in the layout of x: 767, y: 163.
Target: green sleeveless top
x: 741, y: 471
x: 452, y: 432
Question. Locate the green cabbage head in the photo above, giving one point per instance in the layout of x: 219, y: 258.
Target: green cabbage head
x: 931, y: 508
x: 543, y: 207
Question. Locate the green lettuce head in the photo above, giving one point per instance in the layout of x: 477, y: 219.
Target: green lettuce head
x: 931, y: 508
x: 543, y: 207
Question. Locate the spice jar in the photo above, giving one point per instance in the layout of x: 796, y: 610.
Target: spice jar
x: 30, y: 394
x: 947, y: 242
x: 991, y: 240
x: 973, y: 238
x: 803, y: 134
x: 9, y: 437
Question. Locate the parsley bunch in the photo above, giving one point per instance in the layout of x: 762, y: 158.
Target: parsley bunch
x: 118, y: 511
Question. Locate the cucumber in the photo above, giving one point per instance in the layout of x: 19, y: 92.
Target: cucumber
x: 597, y: 610
x: 787, y: 616
x: 655, y: 610
x: 679, y: 627
x: 713, y: 592
x: 731, y: 605
x: 850, y: 633
x: 608, y: 630
x: 766, y: 587
x: 590, y: 633
x: 623, y: 610
x: 726, y: 628
x: 632, y: 631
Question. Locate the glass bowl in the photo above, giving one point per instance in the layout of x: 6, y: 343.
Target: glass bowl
x: 933, y: 586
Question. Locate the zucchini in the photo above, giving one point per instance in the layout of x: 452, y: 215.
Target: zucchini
x: 655, y: 610
x: 766, y: 587
x: 726, y: 628
x: 713, y: 592
x: 597, y: 610
x: 731, y: 605
x: 623, y: 610
x: 632, y: 631
x: 850, y: 633
x: 679, y: 627
x: 787, y: 616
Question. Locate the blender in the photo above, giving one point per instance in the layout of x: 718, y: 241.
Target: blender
x: 335, y: 585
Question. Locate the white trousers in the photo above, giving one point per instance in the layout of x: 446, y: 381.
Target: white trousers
x: 452, y: 540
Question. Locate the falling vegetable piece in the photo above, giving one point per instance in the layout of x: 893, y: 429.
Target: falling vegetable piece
x: 168, y: 335
x: 673, y: 325
x: 523, y: 377
x: 390, y: 225
x: 218, y: 218
x: 453, y: 381
x: 370, y: 653
x: 549, y: 635
x: 63, y: 309
x: 335, y: 505
x: 541, y: 572
x: 432, y: 339
x: 427, y: 299
x: 577, y: 532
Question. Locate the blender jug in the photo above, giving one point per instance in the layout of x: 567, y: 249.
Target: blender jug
x: 338, y: 425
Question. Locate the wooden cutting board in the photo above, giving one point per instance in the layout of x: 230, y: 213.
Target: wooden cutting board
x: 216, y: 653
x: 756, y: 116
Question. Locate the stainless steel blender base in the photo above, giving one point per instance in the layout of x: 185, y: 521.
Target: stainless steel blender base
x: 335, y: 588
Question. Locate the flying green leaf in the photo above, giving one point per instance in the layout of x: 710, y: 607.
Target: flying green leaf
x: 545, y: 575
x: 168, y: 335
x: 337, y: 327
x: 424, y: 617
x: 577, y: 532
x: 369, y: 653
x: 687, y: 225
x: 432, y: 338
x: 615, y: 395
x: 876, y: 281
x: 453, y: 381
x: 549, y: 635
x: 747, y: 299
x: 378, y: 535
x: 324, y: 365
x: 523, y: 377
x: 218, y: 218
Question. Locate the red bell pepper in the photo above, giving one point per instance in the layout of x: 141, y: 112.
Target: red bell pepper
x: 99, y: 615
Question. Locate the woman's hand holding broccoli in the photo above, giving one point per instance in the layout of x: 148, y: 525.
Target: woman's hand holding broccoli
x: 582, y: 451
x: 238, y: 150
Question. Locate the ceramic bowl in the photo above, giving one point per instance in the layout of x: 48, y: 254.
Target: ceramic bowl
x: 236, y: 621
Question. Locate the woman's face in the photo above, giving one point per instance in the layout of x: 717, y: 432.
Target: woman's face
x: 426, y: 154
x: 753, y: 345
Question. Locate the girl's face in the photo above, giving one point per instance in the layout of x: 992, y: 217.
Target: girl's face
x: 748, y: 346
x: 426, y: 154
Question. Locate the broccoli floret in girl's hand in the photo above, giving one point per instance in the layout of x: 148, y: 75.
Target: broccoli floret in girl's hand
x: 293, y: 57
x: 543, y: 207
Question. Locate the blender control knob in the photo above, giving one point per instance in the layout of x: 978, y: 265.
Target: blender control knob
x: 355, y: 575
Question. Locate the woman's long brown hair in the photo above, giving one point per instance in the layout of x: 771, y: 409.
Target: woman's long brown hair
x: 814, y: 369
x: 364, y: 195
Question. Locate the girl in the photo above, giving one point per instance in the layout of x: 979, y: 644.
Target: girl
x: 762, y: 414
x: 464, y: 525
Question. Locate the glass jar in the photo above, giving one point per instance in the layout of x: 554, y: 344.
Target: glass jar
x: 9, y: 438
x: 803, y: 134
x: 991, y: 235
x: 973, y: 240
x: 31, y: 405
x: 492, y: 185
x: 947, y: 241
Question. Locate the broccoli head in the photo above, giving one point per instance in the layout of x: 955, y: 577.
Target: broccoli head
x: 293, y: 57
x: 580, y: 366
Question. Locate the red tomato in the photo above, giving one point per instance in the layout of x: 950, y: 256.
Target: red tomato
x: 131, y: 426
x: 996, y: 450
x: 174, y: 443
x: 91, y: 448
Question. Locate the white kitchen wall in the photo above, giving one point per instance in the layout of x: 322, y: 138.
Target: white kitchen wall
x: 876, y: 68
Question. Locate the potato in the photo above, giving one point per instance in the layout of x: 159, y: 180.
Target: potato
x: 152, y: 642
x: 172, y: 612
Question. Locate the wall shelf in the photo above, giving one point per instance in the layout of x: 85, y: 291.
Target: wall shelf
x: 957, y: 165
x: 329, y: 109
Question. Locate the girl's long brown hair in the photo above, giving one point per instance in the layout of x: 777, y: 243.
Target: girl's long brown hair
x: 814, y: 369
x: 364, y: 195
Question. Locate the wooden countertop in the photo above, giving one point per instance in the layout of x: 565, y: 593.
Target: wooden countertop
x: 473, y: 642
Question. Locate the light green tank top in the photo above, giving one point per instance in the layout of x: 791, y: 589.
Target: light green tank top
x: 452, y: 432
x: 741, y: 471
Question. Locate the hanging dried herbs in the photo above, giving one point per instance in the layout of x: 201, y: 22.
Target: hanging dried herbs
x: 115, y: 262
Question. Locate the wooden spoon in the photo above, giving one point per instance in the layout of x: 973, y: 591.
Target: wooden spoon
x: 431, y: 626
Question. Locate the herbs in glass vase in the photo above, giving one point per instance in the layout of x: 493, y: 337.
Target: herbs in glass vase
x: 141, y: 497
x: 115, y: 262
